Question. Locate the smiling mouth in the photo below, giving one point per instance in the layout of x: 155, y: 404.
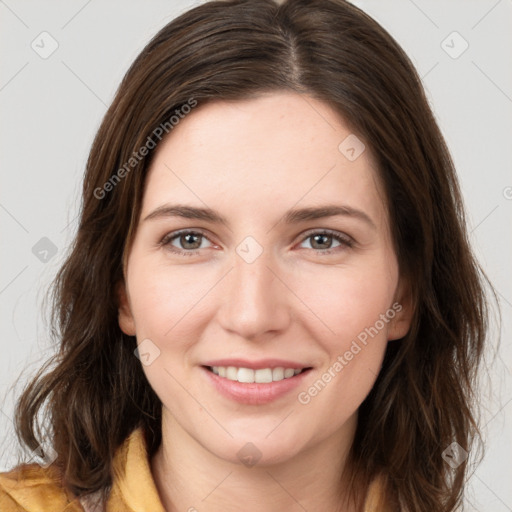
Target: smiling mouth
x: 259, y: 376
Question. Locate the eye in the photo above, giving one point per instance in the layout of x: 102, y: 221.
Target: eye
x: 322, y: 241
x: 190, y: 242
x: 186, y: 242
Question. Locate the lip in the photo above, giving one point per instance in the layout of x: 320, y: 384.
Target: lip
x: 253, y: 393
x: 257, y: 365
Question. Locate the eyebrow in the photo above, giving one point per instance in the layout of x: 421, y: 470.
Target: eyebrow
x: 292, y: 216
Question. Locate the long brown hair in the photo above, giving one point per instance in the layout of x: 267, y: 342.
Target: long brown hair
x: 96, y: 393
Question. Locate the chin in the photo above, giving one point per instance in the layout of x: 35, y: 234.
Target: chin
x: 256, y: 452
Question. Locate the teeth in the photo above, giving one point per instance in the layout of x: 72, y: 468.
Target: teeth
x: 278, y: 373
x: 260, y: 376
x: 231, y: 373
x: 245, y: 375
x: 263, y: 375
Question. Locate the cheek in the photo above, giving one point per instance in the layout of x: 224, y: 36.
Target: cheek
x: 346, y: 301
x: 168, y: 307
x: 353, y: 312
x: 164, y: 299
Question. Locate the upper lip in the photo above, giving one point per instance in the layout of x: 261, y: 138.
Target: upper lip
x: 257, y: 364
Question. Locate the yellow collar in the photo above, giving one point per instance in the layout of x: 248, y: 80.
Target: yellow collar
x: 133, y: 485
x: 136, y: 490
x: 31, y: 488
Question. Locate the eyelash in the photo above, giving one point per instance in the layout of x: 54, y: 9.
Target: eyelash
x: 344, y: 240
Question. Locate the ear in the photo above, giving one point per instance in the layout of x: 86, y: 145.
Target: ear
x: 126, y: 320
x: 404, y: 310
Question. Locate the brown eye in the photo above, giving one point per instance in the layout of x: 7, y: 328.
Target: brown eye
x: 190, y: 241
x: 322, y: 241
x: 184, y: 242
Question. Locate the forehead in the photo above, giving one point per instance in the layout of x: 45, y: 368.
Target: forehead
x: 267, y: 154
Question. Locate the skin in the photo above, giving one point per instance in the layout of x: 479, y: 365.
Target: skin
x: 252, y: 161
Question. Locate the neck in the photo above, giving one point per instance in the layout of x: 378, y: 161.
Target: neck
x: 190, y: 478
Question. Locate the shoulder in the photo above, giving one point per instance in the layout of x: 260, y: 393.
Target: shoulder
x: 32, y: 488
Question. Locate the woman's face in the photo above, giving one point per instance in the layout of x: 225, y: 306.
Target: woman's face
x: 288, y: 265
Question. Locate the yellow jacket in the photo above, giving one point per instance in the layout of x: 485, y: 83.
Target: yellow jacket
x: 31, y: 488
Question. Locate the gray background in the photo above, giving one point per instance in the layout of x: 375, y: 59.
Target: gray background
x: 51, y: 107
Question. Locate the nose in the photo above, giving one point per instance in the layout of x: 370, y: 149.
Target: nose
x: 256, y: 300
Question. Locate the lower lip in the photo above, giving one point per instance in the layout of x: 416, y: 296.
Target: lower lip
x: 254, y: 393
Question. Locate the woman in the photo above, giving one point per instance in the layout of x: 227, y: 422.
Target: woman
x: 271, y: 302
